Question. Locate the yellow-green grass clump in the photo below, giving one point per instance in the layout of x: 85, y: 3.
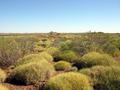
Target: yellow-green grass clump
x: 53, y: 51
x: 94, y: 58
x: 62, y: 65
x: 31, y: 73
x: 68, y: 81
x: 2, y: 75
x: 34, y: 58
x: 68, y: 55
x: 104, y: 77
x: 3, y: 87
x: 28, y: 59
x: 46, y: 56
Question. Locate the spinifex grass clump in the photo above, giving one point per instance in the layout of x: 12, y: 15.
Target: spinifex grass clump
x: 53, y: 51
x: 28, y: 59
x: 31, y: 73
x: 62, y: 65
x: 68, y: 81
x: 46, y: 56
x: 68, y: 56
x: 3, y: 87
x: 34, y: 58
x: 2, y: 75
x: 104, y: 77
x: 94, y: 58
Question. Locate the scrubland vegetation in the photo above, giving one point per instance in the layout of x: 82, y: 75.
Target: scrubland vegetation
x: 60, y: 61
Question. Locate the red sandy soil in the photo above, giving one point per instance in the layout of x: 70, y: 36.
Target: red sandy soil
x: 117, y: 59
x: 29, y: 87
x: 16, y: 87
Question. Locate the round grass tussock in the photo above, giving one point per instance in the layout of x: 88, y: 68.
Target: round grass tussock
x: 3, y: 87
x: 34, y: 58
x: 2, y: 76
x: 28, y: 59
x: 46, y: 56
x: 104, y: 77
x: 53, y: 51
x: 68, y: 55
x: 38, y: 48
x: 31, y: 73
x: 68, y: 81
x: 94, y: 58
x: 62, y: 65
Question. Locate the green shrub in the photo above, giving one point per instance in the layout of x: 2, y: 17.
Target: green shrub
x: 38, y: 48
x: 104, y: 77
x: 44, y: 43
x: 65, y: 45
x: 2, y: 75
x: 9, y: 51
x: 14, y: 47
x: 62, y: 65
x: 94, y: 58
x: 68, y: 81
x: 3, y: 87
x: 68, y: 56
x: 111, y: 49
x: 31, y: 73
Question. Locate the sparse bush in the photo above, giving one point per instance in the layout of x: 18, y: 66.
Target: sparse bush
x: 111, y: 49
x: 84, y: 46
x: 104, y: 77
x: 44, y: 43
x: 13, y: 47
x: 62, y: 65
x: 94, y: 58
x: 68, y: 56
x: 3, y: 87
x: 116, y: 42
x: 68, y: 81
x: 31, y: 73
x: 66, y: 45
x: 2, y: 75
x: 9, y: 52
x: 38, y: 49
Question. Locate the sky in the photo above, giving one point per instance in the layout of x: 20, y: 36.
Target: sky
x: 32, y: 16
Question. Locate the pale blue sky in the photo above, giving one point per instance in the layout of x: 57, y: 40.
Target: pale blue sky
x: 59, y: 15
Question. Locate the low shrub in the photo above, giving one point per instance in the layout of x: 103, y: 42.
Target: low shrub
x: 3, y: 87
x: 111, y: 49
x: 31, y: 73
x: 94, y: 58
x: 65, y: 45
x: 2, y: 75
x: 68, y: 56
x: 68, y: 81
x: 62, y: 65
x: 104, y: 77
x: 38, y: 49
